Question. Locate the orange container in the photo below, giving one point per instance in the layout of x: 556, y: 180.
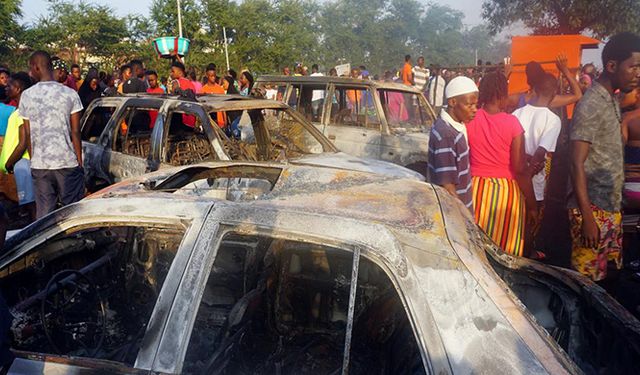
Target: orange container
x: 545, y: 48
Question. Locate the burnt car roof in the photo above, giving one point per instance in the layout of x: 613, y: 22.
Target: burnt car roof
x: 211, y: 102
x: 338, y: 80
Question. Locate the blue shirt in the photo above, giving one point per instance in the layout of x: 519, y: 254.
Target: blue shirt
x: 449, y: 160
x: 5, y: 112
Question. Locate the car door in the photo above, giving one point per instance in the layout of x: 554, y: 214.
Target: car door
x: 130, y: 140
x: 407, y: 122
x: 353, y: 123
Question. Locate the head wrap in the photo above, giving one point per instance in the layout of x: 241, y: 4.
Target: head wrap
x: 59, y: 65
x: 460, y: 86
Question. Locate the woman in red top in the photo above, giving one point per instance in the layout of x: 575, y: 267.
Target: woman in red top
x: 499, y: 170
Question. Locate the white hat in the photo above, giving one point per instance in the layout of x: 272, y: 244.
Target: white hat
x: 460, y: 86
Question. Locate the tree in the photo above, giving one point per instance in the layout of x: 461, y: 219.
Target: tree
x: 165, y: 15
x: 9, y: 27
x: 601, y: 18
x: 80, y: 29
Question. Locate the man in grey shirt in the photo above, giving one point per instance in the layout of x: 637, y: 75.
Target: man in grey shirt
x: 597, y: 172
x: 51, y: 113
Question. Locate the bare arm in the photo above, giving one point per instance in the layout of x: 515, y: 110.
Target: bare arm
x: 579, y: 153
x: 19, y: 150
x: 523, y: 177
x: 76, y: 138
x: 624, y: 129
x: 27, y: 133
x: 536, y: 163
x: 566, y: 99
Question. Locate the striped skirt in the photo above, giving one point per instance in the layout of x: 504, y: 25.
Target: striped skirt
x: 499, y: 209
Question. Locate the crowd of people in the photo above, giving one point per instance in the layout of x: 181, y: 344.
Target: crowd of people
x: 40, y: 113
x: 492, y: 151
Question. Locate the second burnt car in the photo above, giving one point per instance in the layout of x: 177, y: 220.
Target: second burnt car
x: 300, y: 270
x: 370, y: 119
x: 131, y: 135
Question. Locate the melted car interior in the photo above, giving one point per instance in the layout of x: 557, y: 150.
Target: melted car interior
x: 266, y: 135
x: 186, y: 141
x: 581, y: 325
x: 273, y: 306
x: 89, y: 293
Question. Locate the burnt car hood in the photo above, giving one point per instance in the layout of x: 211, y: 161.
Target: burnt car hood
x: 340, y: 160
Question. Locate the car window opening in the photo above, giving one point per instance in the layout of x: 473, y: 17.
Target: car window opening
x: 275, y: 306
x: 265, y: 135
x: 405, y: 112
x: 96, y: 122
x: 89, y: 293
x: 187, y: 142
x: 354, y: 106
x: 308, y: 100
x: 233, y: 183
x: 133, y: 133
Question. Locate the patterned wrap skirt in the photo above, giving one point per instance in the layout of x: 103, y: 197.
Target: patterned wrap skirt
x: 593, y: 262
x: 499, y: 209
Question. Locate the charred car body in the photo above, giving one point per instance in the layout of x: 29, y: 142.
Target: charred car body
x: 132, y: 135
x: 385, y: 121
x: 242, y: 267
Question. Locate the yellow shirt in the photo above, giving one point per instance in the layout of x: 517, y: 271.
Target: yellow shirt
x: 11, y: 140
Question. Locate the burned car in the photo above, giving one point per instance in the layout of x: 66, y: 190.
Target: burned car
x: 265, y: 268
x: 380, y: 120
x: 131, y: 135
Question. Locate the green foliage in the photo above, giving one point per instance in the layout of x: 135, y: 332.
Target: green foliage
x: 266, y: 35
x: 9, y: 27
x: 601, y: 18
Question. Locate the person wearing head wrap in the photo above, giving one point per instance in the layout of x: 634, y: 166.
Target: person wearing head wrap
x: 90, y: 88
x: 448, y: 146
x: 60, y: 70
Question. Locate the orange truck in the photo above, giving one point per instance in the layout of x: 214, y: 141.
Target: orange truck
x: 544, y: 49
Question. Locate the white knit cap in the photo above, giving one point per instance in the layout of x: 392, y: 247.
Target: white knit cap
x: 460, y: 86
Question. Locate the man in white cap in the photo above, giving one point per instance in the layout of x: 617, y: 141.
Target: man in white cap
x: 448, y: 145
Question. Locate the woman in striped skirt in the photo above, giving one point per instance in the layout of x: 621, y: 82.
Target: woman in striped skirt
x: 503, y: 196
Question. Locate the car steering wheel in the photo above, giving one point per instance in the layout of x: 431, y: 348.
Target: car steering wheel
x: 73, y: 313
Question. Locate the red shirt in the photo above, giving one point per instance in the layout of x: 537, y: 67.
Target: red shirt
x: 153, y: 115
x: 185, y: 84
x: 490, y: 138
x: 157, y: 90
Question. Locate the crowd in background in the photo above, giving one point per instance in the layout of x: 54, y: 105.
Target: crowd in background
x: 493, y: 151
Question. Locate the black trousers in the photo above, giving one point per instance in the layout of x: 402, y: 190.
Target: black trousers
x: 65, y: 185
